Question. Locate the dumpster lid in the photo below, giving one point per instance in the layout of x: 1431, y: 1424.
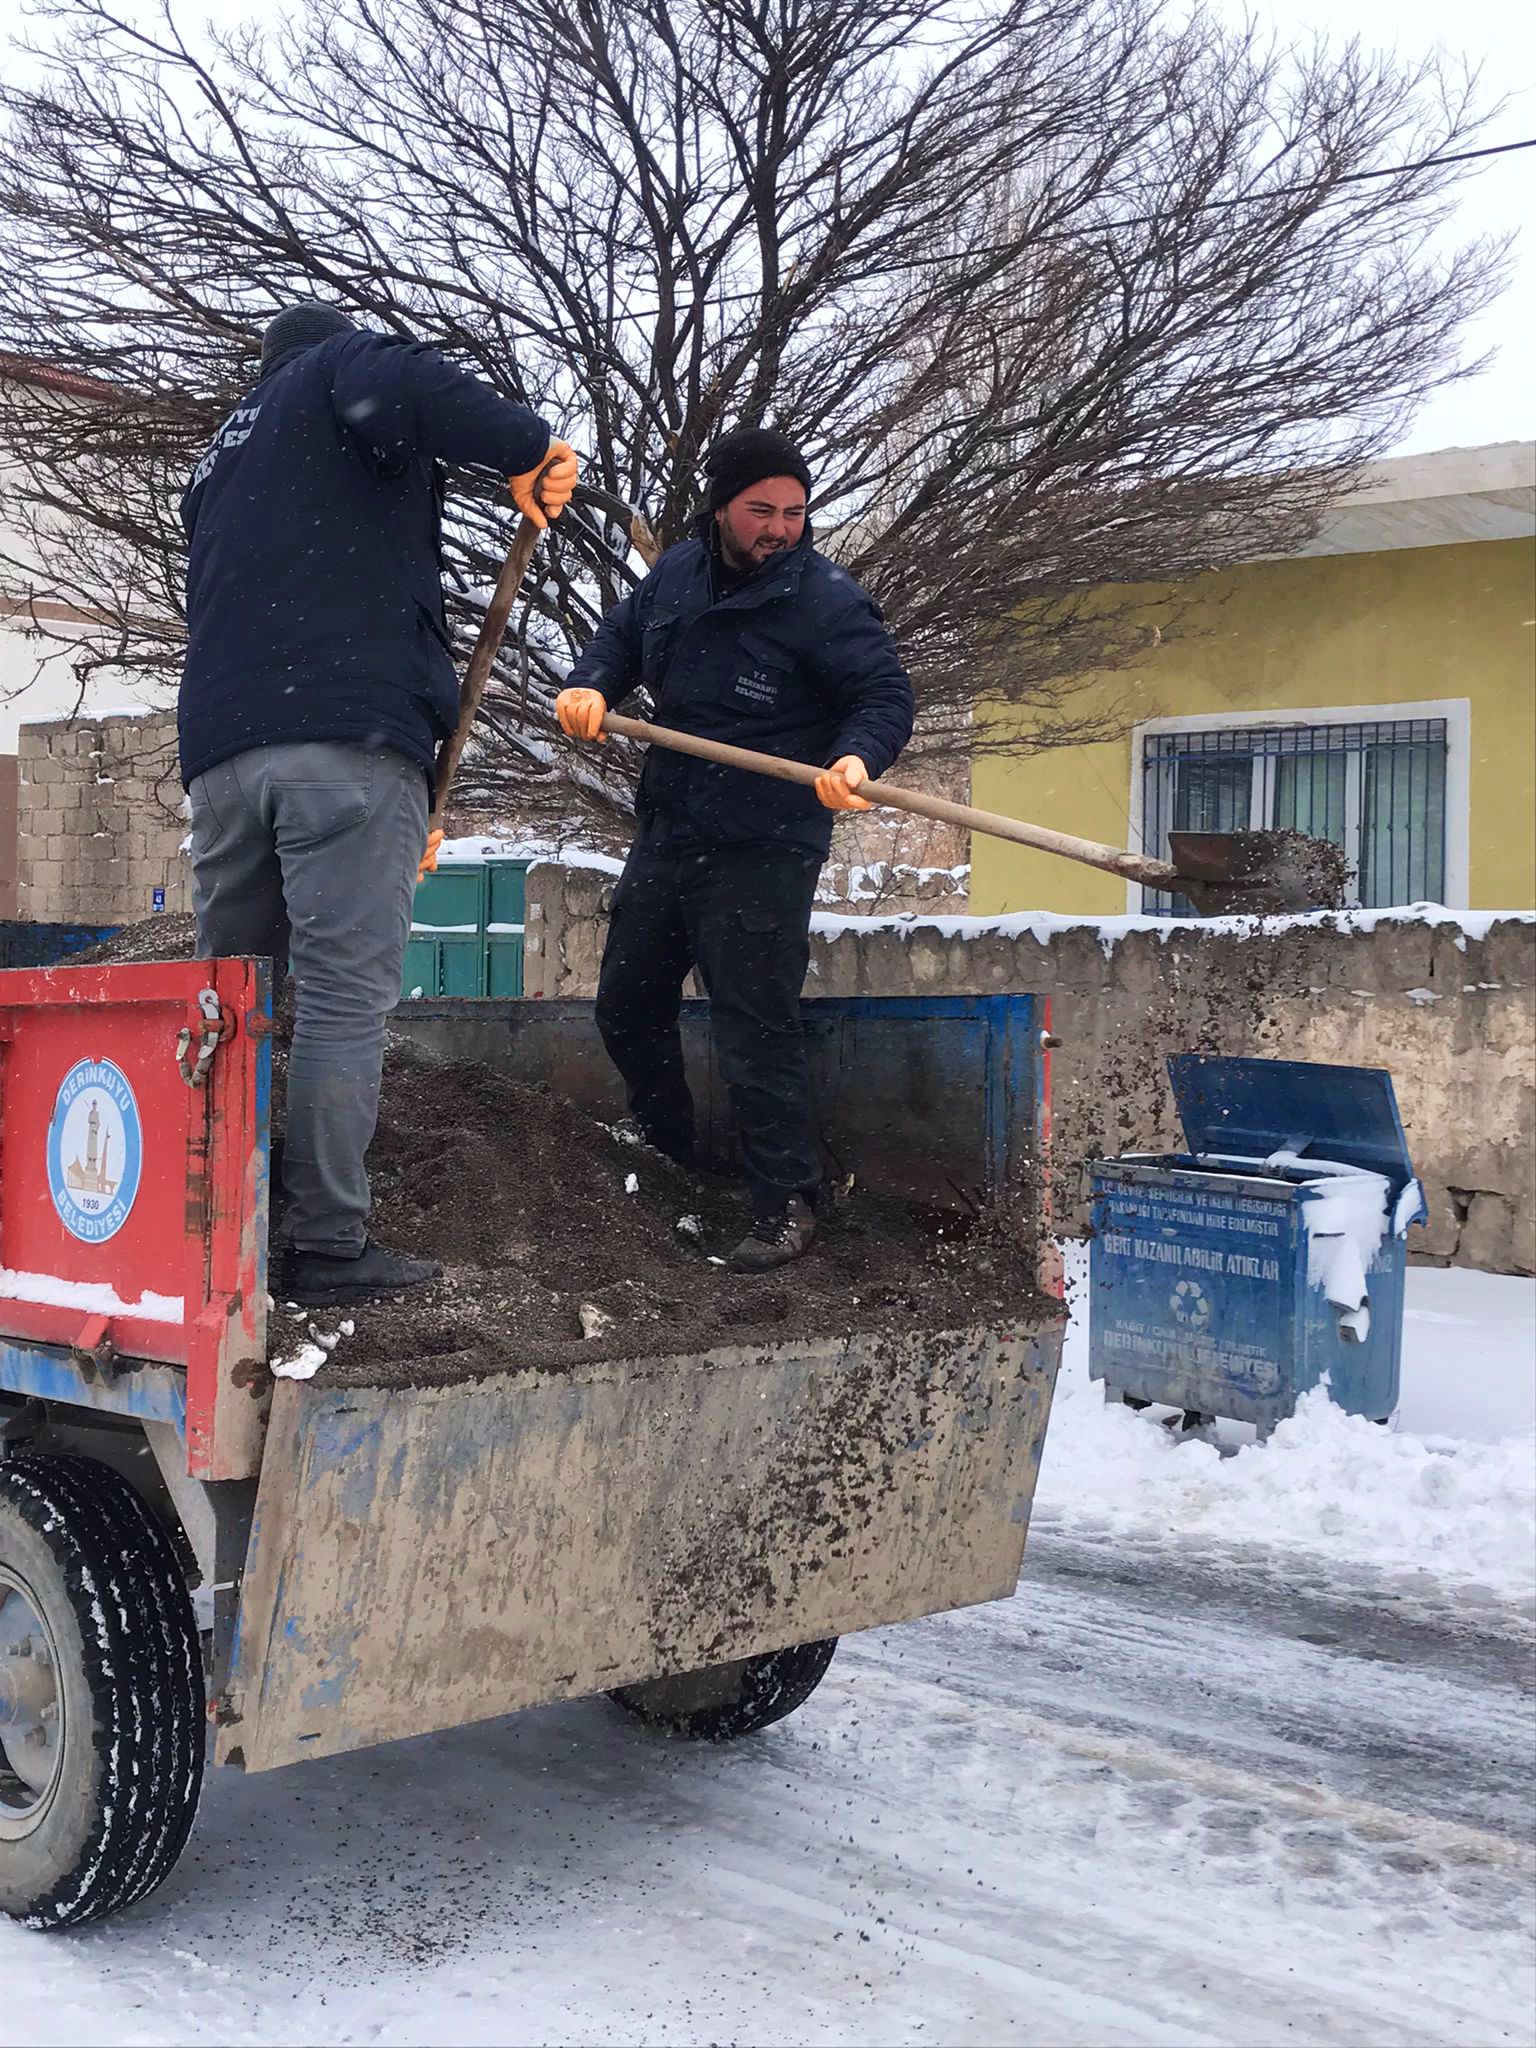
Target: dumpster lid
x: 1255, y: 1108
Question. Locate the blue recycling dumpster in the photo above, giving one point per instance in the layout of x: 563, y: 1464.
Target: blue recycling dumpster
x: 1228, y: 1279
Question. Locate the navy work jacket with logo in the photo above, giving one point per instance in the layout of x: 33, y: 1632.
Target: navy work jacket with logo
x: 314, y: 577
x: 793, y: 660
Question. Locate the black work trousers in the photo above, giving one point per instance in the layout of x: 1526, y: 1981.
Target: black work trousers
x: 741, y: 915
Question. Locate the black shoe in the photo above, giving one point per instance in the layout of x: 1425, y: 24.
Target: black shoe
x: 314, y: 1280
x: 775, y: 1239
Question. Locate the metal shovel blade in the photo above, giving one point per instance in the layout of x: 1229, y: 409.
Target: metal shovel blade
x: 1248, y: 874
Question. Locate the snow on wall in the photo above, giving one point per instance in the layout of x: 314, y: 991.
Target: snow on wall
x: 1045, y: 925
x: 896, y: 883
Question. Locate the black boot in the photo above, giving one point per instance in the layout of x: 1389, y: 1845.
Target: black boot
x: 315, y: 1280
x: 775, y: 1238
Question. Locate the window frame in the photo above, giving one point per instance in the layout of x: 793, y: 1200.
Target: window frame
x: 1456, y: 712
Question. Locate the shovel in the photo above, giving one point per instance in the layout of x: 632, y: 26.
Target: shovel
x: 1223, y: 874
x: 482, y: 658
x: 487, y: 646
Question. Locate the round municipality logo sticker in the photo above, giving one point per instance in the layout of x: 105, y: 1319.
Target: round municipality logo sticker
x: 95, y: 1150
x: 1190, y: 1305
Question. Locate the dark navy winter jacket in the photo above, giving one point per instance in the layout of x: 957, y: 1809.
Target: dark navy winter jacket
x: 795, y: 660
x: 314, y: 592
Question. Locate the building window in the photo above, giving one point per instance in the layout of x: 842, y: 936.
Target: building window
x: 1378, y: 790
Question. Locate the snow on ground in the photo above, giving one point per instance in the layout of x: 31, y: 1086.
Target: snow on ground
x: 1451, y: 1489
x: 1245, y: 1760
x: 1149, y: 1800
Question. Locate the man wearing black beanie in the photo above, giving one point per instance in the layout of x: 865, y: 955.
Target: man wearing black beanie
x: 742, y: 633
x: 318, y: 684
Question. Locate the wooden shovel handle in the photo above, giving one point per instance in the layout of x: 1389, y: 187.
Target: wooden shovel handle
x: 1136, y: 867
x: 487, y: 646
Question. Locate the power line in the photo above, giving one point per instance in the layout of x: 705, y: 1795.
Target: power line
x: 1141, y: 220
x: 1427, y: 163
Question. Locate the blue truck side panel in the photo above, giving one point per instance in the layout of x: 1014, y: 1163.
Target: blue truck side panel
x: 938, y: 1098
x: 935, y: 1098
x: 25, y: 944
x: 47, y: 1372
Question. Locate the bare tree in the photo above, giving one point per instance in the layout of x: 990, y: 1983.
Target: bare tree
x: 1056, y: 294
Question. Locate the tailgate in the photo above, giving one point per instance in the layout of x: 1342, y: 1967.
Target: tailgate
x: 426, y: 1557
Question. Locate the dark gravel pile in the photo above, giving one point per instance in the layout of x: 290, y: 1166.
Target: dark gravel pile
x: 167, y: 937
x: 549, y: 1226
x: 562, y: 1242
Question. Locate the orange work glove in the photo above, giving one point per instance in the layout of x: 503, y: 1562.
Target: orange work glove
x: 429, y: 858
x: 542, y: 494
x: 581, y: 713
x: 837, y: 785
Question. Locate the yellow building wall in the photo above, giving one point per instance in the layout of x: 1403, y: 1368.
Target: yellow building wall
x: 1326, y: 633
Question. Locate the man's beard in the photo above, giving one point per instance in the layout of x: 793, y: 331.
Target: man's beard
x: 735, y: 559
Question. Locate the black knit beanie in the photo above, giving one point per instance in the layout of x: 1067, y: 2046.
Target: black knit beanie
x: 744, y: 457
x: 300, y: 326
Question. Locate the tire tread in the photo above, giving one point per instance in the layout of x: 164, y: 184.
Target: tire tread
x: 777, y: 1682
x: 143, y: 1673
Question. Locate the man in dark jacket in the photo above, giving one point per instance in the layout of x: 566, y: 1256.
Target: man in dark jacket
x: 318, y: 685
x: 744, y: 634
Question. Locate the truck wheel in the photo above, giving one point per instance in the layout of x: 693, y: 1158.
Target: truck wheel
x: 102, y: 1724
x: 729, y: 1700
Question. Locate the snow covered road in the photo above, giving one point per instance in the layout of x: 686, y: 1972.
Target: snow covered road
x: 1212, y: 1776
x: 1138, y: 1803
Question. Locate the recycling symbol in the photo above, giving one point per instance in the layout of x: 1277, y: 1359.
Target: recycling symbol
x: 1190, y: 1305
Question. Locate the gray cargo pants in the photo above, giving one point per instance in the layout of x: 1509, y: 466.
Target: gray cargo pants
x: 308, y: 853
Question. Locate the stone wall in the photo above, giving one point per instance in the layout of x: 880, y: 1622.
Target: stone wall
x: 565, y: 923
x: 893, y: 888
x: 886, y: 861
x: 99, y: 822
x: 1450, y: 1012
x: 10, y: 782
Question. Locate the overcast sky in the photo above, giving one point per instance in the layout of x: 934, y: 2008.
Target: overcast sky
x: 1499, y: 405
x: 1498, y: 35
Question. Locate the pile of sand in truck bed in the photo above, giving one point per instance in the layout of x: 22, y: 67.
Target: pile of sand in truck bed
x: 549, y: 1224
x: 171, y: 936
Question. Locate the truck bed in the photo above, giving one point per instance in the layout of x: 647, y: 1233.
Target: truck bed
x: 562, y: 1243
x: 425, y: 1556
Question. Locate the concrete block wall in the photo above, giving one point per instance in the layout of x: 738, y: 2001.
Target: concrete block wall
x: 99, y: 822
x: 1449, y: 1011
x: 889, y: 861
x: 10, y: 783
